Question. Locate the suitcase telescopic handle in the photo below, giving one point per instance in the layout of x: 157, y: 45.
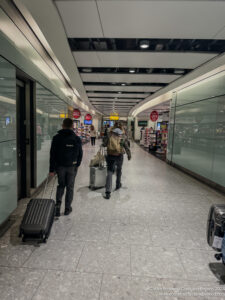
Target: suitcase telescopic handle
x: 46, y: 184
x: 101, y: 164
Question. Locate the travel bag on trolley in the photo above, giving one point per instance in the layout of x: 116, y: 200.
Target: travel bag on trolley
x: 216, y: 230
x: 38, y: 218
x: 98, y: 170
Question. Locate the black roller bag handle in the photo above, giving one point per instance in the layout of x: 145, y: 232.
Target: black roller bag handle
x: 38, y: 218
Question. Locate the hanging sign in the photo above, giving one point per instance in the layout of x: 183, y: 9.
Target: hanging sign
x: 154, y: 116
x: 114, y: 116
x: 76, y: 113
x: 88, y: 117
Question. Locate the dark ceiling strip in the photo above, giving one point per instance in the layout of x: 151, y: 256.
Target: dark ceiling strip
x: 117, y: 97
x: 86, y: 83
x: 156, y: 45
x: 116, y: 93
x: 176, y: 71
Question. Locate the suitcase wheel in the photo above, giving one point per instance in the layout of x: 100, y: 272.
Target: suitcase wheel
x: 218, y: 256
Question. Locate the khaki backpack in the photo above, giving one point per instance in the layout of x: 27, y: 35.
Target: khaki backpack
x: 114, y: 145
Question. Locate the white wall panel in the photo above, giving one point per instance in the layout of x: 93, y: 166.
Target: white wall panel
x: 147, y: 78
x: 113, y: 95
x: 162, y: 19
x: 141, y: 59
x: 80, y: 18
x: 122, y: 88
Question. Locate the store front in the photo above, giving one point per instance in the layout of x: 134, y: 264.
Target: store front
x: 153, y: 127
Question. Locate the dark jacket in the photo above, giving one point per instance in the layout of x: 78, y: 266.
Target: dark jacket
x: 66, y: 150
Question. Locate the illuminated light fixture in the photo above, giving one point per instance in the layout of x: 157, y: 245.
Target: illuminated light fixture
x: 144, y: 44
x: 123, y: 84
x: 1, y: 78
x: 119, y: 93
x: 87, y: 70
x: 132, y: 70
x: 178, y: 71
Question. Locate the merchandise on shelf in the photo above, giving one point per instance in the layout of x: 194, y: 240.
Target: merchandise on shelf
x: 83, y: 132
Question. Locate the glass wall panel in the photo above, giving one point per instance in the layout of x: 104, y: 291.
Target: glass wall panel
x: 50, y: 111
x: 219, y: 144
x: 8, y: 166
x: 208, y: 88
x: 194, y: 137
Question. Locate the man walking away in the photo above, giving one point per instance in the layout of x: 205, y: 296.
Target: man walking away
x: 65, y: 158
x: 116, y: 145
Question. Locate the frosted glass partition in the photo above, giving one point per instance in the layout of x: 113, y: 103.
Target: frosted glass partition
x: 209, y: 88
x: 8, y: 166
x: 199, y: 129
x: 49, y: 108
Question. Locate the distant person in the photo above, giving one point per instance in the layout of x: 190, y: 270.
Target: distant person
x: 107, y: 127
x: 65, y: 158
x: 116, y: 145
x: 93, y: 135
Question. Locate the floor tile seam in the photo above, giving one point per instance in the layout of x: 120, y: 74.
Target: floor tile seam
x: 78, y: 261
x: 69, y: 230
x: 182, y: 264
x: 29, y: 256
x: 36, y: 290
x: 112, y: 274
x: 100, y: 290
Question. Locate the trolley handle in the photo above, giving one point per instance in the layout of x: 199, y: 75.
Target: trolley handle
x: 46, y: 184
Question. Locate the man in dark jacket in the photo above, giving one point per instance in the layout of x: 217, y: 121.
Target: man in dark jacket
x: 65, y: 158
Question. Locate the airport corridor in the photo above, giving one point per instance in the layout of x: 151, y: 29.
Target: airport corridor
x: 147, y: 242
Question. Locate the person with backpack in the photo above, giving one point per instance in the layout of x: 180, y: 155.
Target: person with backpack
x: 65, y: 158
x: 116, y: 145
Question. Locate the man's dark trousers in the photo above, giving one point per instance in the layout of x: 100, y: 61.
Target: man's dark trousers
x: 66, y: 179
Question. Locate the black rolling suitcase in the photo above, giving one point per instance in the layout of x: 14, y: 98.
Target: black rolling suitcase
x: 216, y: 226
x: 38, y: 219
x: 216, y: 230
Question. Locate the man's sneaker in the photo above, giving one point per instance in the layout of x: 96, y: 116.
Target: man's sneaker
x: 107, y: 195
x: 68, y: 211
x: 57, y: 212
x: 118, y: 186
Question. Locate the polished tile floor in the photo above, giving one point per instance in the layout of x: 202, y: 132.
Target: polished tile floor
x: 147, y: 242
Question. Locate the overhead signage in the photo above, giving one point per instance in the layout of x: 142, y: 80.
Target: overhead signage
x: 114, y: 116
x: 142, y: 123
x: 63, y: 116
x: 76, y: 113
x: 88, y: 117
x: 154, y: 116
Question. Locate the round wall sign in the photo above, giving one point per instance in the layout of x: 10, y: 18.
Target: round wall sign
x: 88, y: 117
x: 76, y: 113
x: 154, y: 116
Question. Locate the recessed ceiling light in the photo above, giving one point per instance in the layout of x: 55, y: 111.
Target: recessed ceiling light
x: 132, y: 70
x: 178, y: 71
x: 144, y: 44
x: 119, y: 92
x: 87, y: 70
x: 123, y: 83
x: 1, y: 78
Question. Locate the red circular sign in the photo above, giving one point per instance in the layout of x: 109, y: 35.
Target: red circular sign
x: 88, y: 117
x: 76, y: 113
x: 154, y: 116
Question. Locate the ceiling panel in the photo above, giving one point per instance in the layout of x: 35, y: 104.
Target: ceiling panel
x: 161, y: 19
x: 80, y: 18
x: 132, y: 59
x: 113, y: 95
x: 122, y: 88
x: 157, y: 78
